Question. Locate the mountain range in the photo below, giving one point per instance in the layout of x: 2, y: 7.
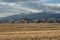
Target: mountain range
x: 33, y: 16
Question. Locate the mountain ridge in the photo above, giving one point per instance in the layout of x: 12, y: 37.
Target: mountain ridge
x: 32, y: 16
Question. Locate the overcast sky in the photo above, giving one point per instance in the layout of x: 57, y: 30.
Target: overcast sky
x: 12, y: 7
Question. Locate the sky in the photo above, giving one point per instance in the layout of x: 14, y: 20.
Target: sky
x: 13, y: 7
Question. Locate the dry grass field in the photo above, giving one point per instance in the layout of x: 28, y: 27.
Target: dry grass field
x: 31, y: 31
x: 29, y: 27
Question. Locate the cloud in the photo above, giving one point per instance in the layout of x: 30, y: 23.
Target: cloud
x: 14, y: 1
x: 7, y: 14
x: 15, y: 8
x: 12, y: 7
x: 52, y: 6
x: 32, y: 1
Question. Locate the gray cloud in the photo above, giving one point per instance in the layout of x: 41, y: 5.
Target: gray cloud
x: 15, y: 0
x: 10, y: 0
x: 25, y: 6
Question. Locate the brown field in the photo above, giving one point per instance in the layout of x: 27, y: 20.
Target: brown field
x: 29, y: 27
x: 32, y: 31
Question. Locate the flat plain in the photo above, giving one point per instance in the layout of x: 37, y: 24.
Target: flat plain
x: 30, y: 31
x: 29, y: 27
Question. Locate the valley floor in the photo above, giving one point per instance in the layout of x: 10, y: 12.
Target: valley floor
x: 29, y: 27
x: 32, y: 31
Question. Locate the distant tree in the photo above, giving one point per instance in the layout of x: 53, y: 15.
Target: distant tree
x: 51, y: 20
x: 25, y: 20
x: 39, y: 21
x: 58, y: 20
x: 11, y: 21
x: 1, y: 22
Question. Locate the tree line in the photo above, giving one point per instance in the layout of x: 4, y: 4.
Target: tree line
x: 27, y: 20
